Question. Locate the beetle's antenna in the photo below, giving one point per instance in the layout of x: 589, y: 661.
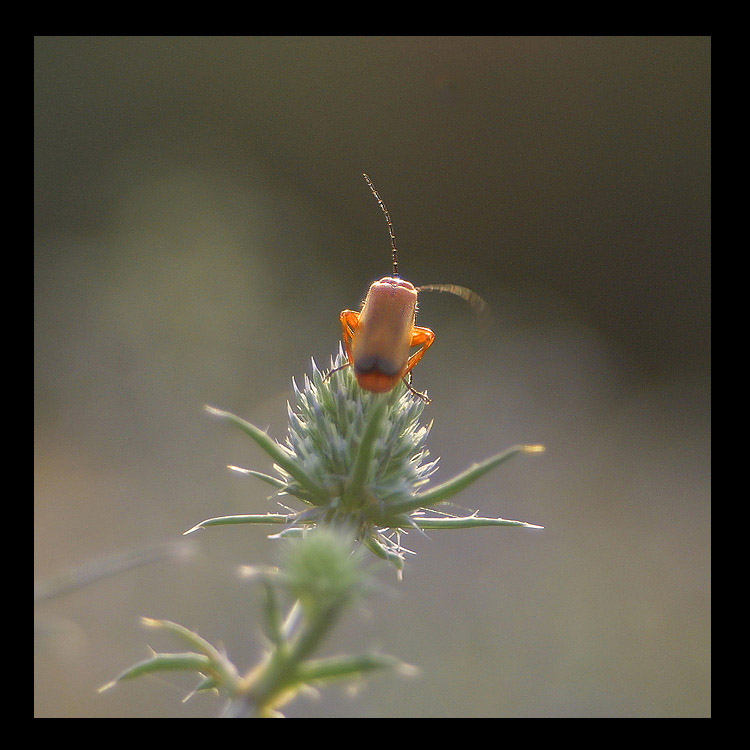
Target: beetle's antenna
x: 481, y: 308
x: 390, y: 223
x: 460, y: 291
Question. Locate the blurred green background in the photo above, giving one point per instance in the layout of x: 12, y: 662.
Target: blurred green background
x: 200, y: 221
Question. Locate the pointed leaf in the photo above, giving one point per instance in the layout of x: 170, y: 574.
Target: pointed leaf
x: 274, y: 518
x: 453, y: 486
x: 163, y: 663
x: 277, y: 452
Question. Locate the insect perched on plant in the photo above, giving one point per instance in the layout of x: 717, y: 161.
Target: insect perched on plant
x: 379, y: 337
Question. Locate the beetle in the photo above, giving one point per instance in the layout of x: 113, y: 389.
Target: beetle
x: 379, y: 337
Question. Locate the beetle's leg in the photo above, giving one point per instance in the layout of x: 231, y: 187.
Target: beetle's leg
x: 423, y: 396
x: 349, y: 324
x: 423, y: 338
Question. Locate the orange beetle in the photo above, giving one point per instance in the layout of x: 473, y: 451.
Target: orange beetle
x: 379, y: 337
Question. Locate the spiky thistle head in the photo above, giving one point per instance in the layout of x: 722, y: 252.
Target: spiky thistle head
x: 360, y: 447
x: 359, y: 460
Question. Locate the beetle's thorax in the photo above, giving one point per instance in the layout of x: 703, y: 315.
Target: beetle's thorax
x: 390, y: 307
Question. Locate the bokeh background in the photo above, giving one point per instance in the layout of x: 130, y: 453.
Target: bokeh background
x: 200, y: 221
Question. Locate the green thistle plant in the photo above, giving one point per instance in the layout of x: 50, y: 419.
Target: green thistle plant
x: 358, y: 464
x: 322, y: 574
x: 359, y: 461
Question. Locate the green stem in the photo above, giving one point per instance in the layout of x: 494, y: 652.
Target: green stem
x: 281, y: 671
